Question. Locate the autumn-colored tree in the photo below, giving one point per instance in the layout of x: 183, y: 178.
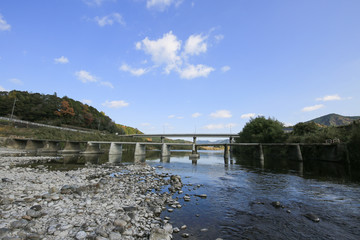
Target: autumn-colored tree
x: 65, y: 109
x: 88, y: 117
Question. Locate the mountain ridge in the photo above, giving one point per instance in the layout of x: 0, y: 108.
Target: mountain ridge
x: 334, y: 119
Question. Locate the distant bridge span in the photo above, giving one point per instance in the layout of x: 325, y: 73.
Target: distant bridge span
x: 332, y: 151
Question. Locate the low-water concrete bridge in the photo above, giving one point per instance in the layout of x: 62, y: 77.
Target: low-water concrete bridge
x: 333, y: 152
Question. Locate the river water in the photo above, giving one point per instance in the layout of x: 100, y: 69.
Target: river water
x: 240, y: 194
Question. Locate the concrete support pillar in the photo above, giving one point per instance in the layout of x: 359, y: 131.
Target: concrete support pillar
x: 115, y: 158
x: 139, y: 158
x: 71, y: 147
x: 165, y: 150
x: 16, y: 143
x: 261, y: 153
x: 226, y: 161
x: 34, y: 145
x: 194, y: 150
x: 165, y: 159
x: 115, y: 148
x: 226, y: 151
x: 50, y: 146
x: 93, y: 148
x: 295, y: 153
x: 162, y: 139
x: 231, y: 140
x: 140, y: 149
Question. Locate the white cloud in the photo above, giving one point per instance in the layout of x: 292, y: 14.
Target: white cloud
x: 196, y: 115
x: 107, y: 84
x: 192, y: 71
x: 247, y: 115
x: 16, y: 81
x: 335, y: 97
x: 219, y: 126
x: 61, y: 60
x: 4, y: 26
x: 225, y: 68
x: 195, y: 45
x: 133, y: 71
x: 219, y: 37
x: 174, y: 116
x: 115, y: 104
x: 86, y: 101
x: 312, y: 108
x: 85, y: 76
x: 95, y: 3
x: 110, y: 19
x: 221, y: 114
x: 2, y: 89
x: 163, y: 50
x: 214, y: 126
x: 161, y: 5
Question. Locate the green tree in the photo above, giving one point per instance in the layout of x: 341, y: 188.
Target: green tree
x: 302, y: 128
x: 262, y: 130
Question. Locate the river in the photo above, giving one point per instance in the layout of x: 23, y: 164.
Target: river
x: 242, y: 195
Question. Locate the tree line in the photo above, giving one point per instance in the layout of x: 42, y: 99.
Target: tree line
x: 53, y: 110
x: 270, y: 130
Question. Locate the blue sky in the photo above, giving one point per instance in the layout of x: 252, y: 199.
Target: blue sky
x: 184, y: 66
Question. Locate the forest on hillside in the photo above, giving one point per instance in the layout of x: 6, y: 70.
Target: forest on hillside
x: 53, y: 110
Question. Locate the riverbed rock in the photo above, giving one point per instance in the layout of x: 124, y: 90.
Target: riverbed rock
x: 276, y: 204
x: 312, y: 217
x: 159, y: 234
x: 85, y: 203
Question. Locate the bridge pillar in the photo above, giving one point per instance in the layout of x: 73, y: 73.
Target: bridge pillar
x: 231, y: 140
x: 115, y: 148
x: 34, y: 145
x: 16, y: 143
x: 295, y: 153
x: 165, y: 159
x: 226, y: 151
x: 194, y: 153
x: 139, y: 158
x: 194, y: 150
x: 165, y: 150
x: 92, y: 148
x: 115, y: 158
x: 261, y: 153
x: 50, y: 146
x: 140, y: 149
x: 71, y: 147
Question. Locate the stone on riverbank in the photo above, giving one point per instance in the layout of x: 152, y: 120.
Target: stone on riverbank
x: 86, y: 203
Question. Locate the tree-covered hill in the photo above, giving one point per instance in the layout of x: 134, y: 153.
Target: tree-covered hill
x: 53, y: 110
x: 334, y: 120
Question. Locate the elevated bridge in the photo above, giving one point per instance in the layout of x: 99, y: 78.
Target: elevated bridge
x: 332, y: 152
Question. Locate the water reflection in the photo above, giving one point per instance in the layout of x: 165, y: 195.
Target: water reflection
x: 308, y: 169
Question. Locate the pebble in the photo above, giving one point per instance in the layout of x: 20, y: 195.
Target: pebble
x: 81, y: 235
x: 185, y: 235
x: 85, y: 203
x: 312, y: 217
x: 276, y: 204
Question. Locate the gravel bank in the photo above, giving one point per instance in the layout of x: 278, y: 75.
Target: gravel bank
x: 95, y: 202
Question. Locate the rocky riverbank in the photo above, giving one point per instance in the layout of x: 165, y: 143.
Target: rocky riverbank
x: 94, y: 202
